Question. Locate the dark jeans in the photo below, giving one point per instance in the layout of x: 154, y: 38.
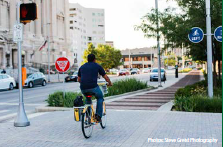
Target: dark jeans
x: 99, y: 96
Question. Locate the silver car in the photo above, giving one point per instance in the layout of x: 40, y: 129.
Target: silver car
x: 37, y: 78
x: 154, y: 74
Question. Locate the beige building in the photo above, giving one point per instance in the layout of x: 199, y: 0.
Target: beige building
x: 52, y: 14
x: 140, y: 58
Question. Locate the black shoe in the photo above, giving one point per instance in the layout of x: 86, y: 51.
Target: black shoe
x: 98, y: 118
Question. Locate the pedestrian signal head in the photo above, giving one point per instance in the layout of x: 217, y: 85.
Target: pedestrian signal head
x: 28, y: 12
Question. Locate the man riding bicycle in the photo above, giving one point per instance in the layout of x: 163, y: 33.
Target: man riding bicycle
x: 87, y: 77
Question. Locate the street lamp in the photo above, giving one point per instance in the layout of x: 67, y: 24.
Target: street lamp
x: 158, y: 45
x: 209, y: 48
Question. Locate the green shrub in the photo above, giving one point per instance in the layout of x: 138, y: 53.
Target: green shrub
x: 56, y: 99
x: 185, y: 70
x: 194, y: 98
x: 198, y: 103
x: 197, y: 88
x: 126, y: 85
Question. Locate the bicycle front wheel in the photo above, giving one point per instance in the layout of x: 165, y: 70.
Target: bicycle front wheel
x: 87, y: 126
x: 104, y: 117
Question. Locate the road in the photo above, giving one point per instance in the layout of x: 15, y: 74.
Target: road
x: 36, y: 96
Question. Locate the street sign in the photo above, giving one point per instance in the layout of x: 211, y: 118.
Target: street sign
x: 196, y: 35
x: 218, y: 34
x: 62, y: 64
x: 18, y: 33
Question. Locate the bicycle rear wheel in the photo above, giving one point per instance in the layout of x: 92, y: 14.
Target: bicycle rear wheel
x: 104, y: 117
x: 87, y: 126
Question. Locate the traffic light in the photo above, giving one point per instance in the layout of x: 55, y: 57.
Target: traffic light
x: 28, y: 12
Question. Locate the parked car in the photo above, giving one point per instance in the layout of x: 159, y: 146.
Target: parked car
x: 154, y: 74
x: 134, y: 71
x: 72, y: 77
x: 123, y: 72
x: 7, y: 82
x: 146, y: 70
x: 51, y: 71
x: 34, y: 79
x: 115, y: 71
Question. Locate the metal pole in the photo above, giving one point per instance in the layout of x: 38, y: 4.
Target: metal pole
x: 48, y: 41
x: 63, y: 86
x: 129, y: 60
x: 209, y: 49
x: 21, y: 120
x: 158, y: 46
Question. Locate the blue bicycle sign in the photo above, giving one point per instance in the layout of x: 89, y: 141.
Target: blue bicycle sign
x: 196, y: 35
x: 218, y: 34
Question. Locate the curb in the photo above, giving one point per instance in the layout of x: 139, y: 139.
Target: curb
x: 51, y: 109
x: 46, y: 108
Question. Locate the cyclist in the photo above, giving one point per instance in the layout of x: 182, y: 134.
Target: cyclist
x: 87, y: 77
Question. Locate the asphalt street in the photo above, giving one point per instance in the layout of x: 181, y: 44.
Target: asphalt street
x: 36, y: 96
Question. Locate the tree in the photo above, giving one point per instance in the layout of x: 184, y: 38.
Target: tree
x: 107, y: 56
x: 175, y: 28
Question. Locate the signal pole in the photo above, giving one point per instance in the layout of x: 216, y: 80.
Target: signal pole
x: 21, y: 120
x: 209, y: 48
x: 48, y: 40
x: 158, y: 45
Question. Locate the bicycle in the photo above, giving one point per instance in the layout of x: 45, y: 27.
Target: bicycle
x: 87, y: 117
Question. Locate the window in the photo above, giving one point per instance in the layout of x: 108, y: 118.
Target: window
x: 1, y: 77
x: 5, y: 77
x: 93, y: 14
x: 71, y: 22
x: 94, y: 32
x: 126, y: 59
x: 89, y: 38
x: 71, y: 28
x: 100, y: 25
x: 72, y: 9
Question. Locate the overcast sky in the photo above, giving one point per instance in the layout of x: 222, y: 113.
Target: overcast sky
x: 120, y: 18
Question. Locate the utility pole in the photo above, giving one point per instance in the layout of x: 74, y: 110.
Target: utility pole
x: 158, y: 45
x: 129, y: 60
x: 48, y: 39
x: 209, y: 49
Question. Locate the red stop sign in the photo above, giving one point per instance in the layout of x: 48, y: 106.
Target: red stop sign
x: 62, y: 64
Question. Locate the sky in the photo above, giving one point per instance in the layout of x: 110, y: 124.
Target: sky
x: 120, y: 18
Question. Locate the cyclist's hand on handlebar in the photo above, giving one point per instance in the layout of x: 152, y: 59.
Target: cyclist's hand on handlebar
x: 109, y: 84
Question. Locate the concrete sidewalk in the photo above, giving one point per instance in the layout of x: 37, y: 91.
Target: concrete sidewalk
x: 125, y: 128
x: 130, y: 128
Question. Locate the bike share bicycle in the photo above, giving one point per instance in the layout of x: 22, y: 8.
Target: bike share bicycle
x: 86, y: 114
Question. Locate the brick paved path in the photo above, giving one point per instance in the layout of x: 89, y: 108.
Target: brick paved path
x: 153, y: 100
x: 130, y: 128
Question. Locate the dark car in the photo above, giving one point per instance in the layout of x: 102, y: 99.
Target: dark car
x: 123, y: 72
x: 72, y: 77
x: 134, y: 71
x: 34, y: 79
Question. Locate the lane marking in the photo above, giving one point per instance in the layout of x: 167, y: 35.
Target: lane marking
x: 3, y: 111
x: 33, y: 115
x: 16, y: 104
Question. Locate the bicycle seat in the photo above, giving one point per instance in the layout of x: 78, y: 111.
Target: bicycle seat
x: 89, y: 94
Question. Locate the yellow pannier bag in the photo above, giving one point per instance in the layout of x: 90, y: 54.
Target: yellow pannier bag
x: 77, y: 113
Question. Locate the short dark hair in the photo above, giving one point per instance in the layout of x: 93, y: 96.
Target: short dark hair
x: 91, y: 57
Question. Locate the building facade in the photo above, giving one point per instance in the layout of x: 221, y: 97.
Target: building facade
x: 140, y: 58
x: 110, y: 43
x: 53, y: 21
x: 87, y: 25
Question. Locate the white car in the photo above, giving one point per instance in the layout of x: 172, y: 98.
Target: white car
x: 146, y: 70
x: 154, y: 74
x: 7, y: 82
